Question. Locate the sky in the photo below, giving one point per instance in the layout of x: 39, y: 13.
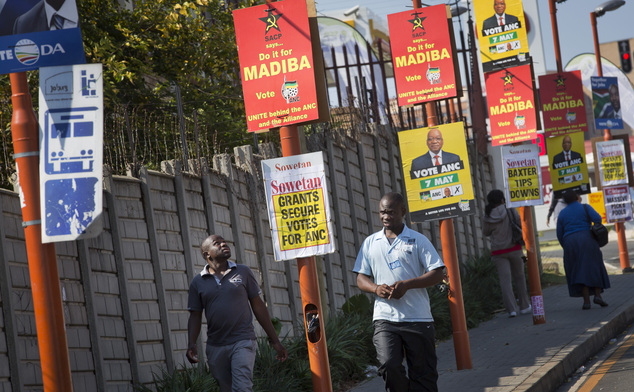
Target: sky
x: 573, y: 20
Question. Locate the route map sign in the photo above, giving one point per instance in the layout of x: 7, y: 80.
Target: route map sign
x: 71, y: 152
x: 299, y: 211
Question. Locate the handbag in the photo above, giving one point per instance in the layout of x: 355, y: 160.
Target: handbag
x: 599, y: 232
x: 517, y: 235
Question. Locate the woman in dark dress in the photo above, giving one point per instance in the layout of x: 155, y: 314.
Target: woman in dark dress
x: 583, y: 260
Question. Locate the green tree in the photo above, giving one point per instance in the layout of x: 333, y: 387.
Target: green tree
x: 148, y: 46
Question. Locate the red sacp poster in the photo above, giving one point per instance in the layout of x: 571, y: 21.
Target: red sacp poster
x: 511, y: 100
x: 276, y: 64
x: 563, y: 103
x: 423, y: 55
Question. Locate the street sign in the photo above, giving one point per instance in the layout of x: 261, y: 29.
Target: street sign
x: 71, y: 151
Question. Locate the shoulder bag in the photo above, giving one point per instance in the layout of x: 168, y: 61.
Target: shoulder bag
x: 599, y: 232
x: 518, y: 236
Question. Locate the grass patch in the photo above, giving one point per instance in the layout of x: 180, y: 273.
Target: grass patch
x: 550, y: 278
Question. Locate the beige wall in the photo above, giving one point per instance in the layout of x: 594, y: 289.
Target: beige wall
x: 125, y: 292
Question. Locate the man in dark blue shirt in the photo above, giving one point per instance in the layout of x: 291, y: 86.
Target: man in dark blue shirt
x: 225, y: 290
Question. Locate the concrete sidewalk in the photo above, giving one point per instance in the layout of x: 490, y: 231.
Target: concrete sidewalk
x: 512, y: 354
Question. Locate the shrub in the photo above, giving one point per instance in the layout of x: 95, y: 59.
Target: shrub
x: 184, y: 379
x: 481, y: 295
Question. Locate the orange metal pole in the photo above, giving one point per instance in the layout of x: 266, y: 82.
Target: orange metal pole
x: 311, y: 304
x: 462, y: 347
x: 47, y: 300
x: 534, y: 281
x: 309, y: 288
x: 450, y: 255
x: 624, y: 257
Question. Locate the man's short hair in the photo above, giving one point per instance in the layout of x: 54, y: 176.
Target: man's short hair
x: 395, y: 197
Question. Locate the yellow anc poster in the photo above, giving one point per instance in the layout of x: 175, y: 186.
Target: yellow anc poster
x: 567, y: 163
x: 436, y: 172
x: 501, y: 33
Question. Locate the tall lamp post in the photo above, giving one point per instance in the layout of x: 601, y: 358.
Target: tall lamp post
x: 607, y: 135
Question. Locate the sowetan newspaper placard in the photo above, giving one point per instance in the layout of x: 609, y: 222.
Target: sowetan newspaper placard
x: 522, y: 175
x: 611, y: 159
x: 299, y: 211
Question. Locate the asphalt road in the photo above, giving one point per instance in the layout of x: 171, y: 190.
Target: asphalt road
x: 551, y: 251
x: 612, y: 369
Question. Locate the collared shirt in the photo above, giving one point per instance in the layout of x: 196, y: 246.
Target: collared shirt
x: 226, y: 303
x: 205, y: 270
x: 68, y: 11
x: 433, y: 157
x: 409, y: 256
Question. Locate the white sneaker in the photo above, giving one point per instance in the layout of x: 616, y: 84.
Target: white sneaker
x: 512, y: 314
x: 527, y: 310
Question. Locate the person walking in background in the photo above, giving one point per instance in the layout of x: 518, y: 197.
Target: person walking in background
x: 397, y: 264
x: 556, y: 205
x: 583, y: 260
x: 225, y: 290
x: 506, y: 254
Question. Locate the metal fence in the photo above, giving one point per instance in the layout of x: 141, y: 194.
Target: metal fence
x: 145, y: 135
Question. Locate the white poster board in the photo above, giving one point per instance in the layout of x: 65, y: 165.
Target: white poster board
x: 612, y: 163
x: 522, y: 175
x: 299, y: 211
x: 618, y: 204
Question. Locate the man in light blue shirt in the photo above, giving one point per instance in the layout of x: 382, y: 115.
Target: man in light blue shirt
x: 397, y: 264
